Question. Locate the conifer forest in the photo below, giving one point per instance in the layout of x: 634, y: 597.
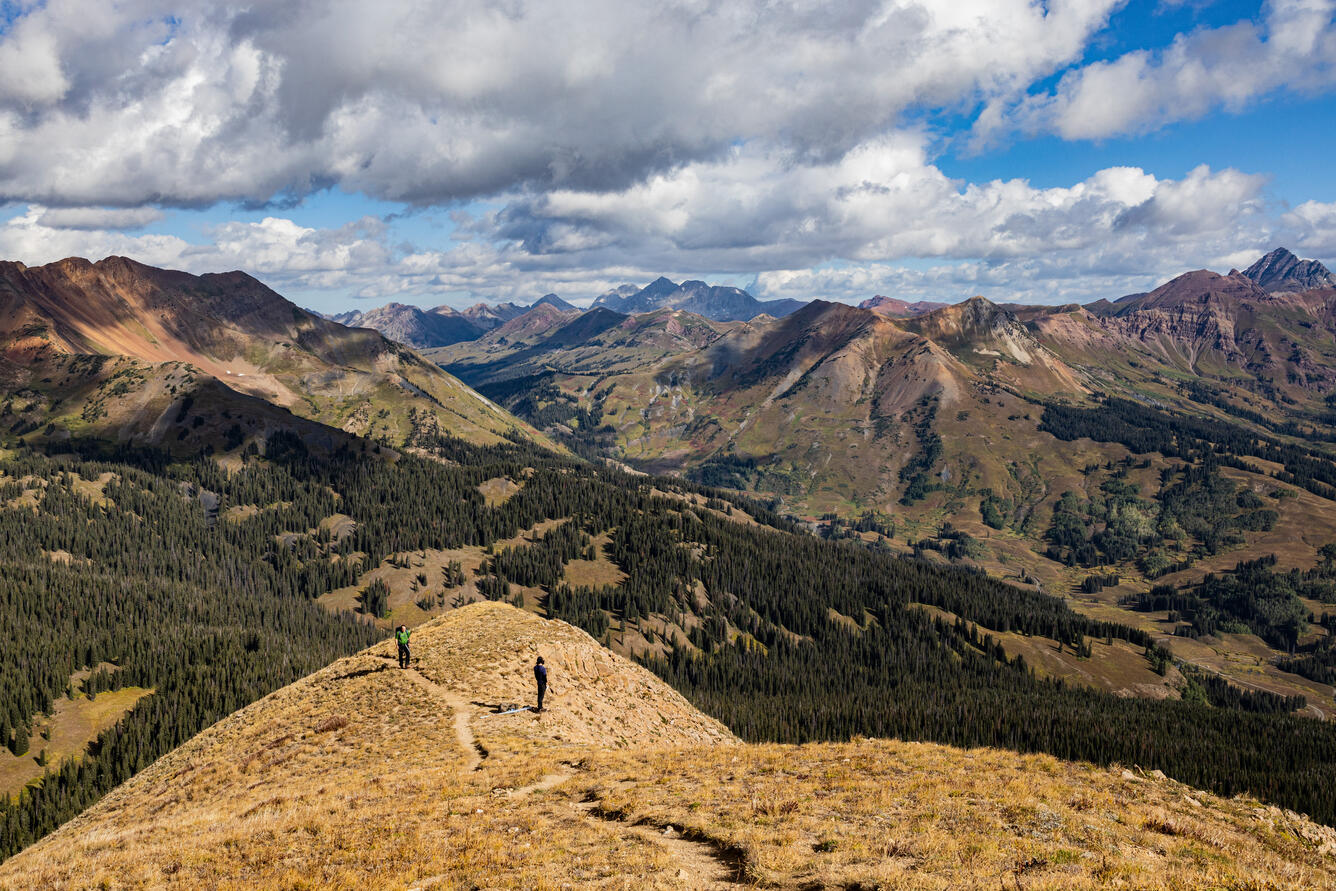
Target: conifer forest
x: 789, y: 637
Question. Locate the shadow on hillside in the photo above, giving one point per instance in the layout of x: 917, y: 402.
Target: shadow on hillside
x: 360, y: 673
x: 498, y: 708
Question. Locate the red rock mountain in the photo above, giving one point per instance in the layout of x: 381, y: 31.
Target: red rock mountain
x: 118, y: 341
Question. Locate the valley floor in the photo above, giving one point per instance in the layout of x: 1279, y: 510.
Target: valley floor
x: 364, y: 775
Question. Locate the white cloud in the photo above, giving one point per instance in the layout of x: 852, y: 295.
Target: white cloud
x: 1293, y: 48
x: 100, y: 217
x: 1314, y: 226
x: 190, y: 103
x: 834, y: 229
x: 617, y: 141
x: 883, y: 201
x: 26, y: 238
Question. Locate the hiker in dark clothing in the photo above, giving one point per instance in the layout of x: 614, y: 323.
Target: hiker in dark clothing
x: 401, y: 635
x: 540, y: 675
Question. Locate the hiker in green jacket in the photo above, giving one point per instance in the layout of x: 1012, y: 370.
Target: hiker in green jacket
x: 401, y: 635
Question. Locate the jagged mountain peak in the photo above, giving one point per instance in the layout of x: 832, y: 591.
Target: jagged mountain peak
x: 893, y: 307
x: 555, y: 302
x: 1281, y: 270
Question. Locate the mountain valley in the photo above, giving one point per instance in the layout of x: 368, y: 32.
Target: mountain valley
x: 982, y: 576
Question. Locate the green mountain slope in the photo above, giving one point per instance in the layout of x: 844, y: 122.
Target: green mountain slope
x: 188, y: 576
x: 941, y: 435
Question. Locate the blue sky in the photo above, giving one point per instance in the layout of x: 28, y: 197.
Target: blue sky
x: 352, y: 154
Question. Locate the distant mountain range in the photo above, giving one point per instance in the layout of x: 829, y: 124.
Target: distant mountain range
x: 937, y: 414
x: 414, y: 326
x: 123, y: 351
x: 427, y: 328
x: 1281, y: 271
x: 717, y: 302
x: 443, y: 326
x: 899, y: 309
x: 1278, y: 272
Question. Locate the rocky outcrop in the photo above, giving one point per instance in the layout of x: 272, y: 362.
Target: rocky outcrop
x: 894, y: 308
x: 719, y: 303
x: 1280, y: 271
x: 416, y: 327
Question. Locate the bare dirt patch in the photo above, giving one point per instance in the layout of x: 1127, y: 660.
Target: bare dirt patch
x: 498, y: 491
x: 597, y: 572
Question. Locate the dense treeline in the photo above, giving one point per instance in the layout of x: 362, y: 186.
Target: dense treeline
x: 1252, y: 598
x: 546, y: 406
x: 896, y: 679
x: 198, y: 583
x: 775, y: 664
x: 1198, y: 391
x: 204, y: 619
x: 1143, y: 429
x: 1319, y: 665
x: 211, y: 606
x: 1210, y: 688
x: 917, y: 472
x: 1196, y: 511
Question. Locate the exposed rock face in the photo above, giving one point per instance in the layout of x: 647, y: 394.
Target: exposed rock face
x: 1194, y: 314
x: 1230, y: 321
x: 1280, y: 270
x: 229, y: 327
x: 894, y: 308
x: 717, y: 302
x: 415, y: 327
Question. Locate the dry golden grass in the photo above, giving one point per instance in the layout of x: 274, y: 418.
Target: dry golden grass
x: 594, y: 573
x: 887, y: 814
x: 497, y: 491
x: 365, y: 776
x: 72, y: 725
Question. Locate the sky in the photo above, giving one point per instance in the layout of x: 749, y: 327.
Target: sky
x: 350, y: 154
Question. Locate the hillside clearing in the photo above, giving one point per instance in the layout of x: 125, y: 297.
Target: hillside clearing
x: 73, y: 724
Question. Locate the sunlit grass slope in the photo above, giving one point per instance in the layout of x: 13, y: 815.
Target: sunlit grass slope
x: 366, y: 776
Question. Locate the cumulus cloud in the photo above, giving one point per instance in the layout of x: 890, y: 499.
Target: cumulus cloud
x: 191, y: 103
x: 881, y: 201
x: 1313, y: 225
x: 616, y: 141
x: 26, y: 238
x: 823, y: 229
x: 99, y: 217
x: 1293, y: 48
